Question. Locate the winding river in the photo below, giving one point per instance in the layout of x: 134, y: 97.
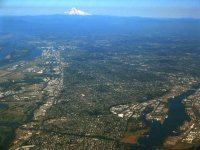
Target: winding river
x: 176, y: 117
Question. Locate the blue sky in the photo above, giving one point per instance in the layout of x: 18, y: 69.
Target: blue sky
x: 144, y: 8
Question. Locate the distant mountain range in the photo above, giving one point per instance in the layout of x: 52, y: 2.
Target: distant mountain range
x: 74, y: 24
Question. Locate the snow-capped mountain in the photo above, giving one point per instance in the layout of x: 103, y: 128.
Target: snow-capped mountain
x: 75, y: 11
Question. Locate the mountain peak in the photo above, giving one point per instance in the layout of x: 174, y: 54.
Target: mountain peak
x: 74, y: 11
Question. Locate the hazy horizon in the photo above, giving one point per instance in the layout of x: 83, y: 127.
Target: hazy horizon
x: 125, y: 8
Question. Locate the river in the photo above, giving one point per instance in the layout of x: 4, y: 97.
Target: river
x: 159, y: 132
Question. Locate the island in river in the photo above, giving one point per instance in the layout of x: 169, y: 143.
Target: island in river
x: 159, y: 122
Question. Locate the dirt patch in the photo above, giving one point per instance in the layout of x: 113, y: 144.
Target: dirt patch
x: 129, y: 139
x: 3, y: 73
